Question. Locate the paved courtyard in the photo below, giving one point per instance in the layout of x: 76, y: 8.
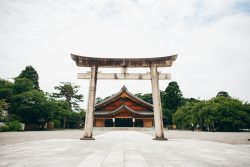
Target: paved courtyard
x: 124, y: 148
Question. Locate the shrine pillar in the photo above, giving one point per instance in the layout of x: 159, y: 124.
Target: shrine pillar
x: 88, y: 129
x: 157, y: 103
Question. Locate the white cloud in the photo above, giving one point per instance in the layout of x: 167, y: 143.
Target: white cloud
x: 211, y: 38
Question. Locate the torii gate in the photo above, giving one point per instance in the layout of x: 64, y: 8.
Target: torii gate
x: 124, y: 63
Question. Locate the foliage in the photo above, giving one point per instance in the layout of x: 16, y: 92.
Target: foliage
x: 27, y: 103
x: 99, y: 99
x: 33, y: 107
x: 146, y: 97
x: 57, y: 123
x: 22, y: 85
x: 30, y: 73
x: 69, y: 92
x: 3, y: 106
x: 190, y: 100
x: 222, y: 93
x: 171, y: 98
x: 220, y: 113
x: 5, y: 90
x: 73, y: 120
x: 11, y: 126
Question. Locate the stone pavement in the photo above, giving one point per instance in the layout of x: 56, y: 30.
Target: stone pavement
x: 124, y: 148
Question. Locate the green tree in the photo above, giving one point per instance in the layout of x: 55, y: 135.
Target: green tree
x: 99, y: 99
x: 5, y: 90
x: 221, y: 113
x: 22, y: 85
x: 172, y: 98
x: 3, y: 108
x: 61, y: 112
x: 190, y: 100
x: 222, y: 93
x: 30, y: 73
x: 69, y: 92
x: 146, y: 97
x: 32, y: 107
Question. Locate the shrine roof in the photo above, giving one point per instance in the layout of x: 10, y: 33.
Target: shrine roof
x: 84, y: 61
x: 103, y: 113
x: 117, y: 95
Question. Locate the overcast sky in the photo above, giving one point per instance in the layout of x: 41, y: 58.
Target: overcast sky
x: 211, y: 38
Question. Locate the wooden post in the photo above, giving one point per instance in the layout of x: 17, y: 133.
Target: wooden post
x: 113, y: 120
x: 157, y: 104
x: 88, y: 129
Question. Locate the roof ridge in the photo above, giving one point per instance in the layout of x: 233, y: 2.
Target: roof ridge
x: 123, y: 89
x: 120, y: 108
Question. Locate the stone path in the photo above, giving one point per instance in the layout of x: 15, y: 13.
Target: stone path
x: 124, y: 148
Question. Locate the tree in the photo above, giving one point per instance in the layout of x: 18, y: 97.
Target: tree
x: 220, y: 113
x: 5, y: 90
x: 99, y: 99
x: 190, y: 100
x: 22, y: 85
x: 188, y: 114
x: 69, y: 92
x: 30, y: 73
x: 3, y: 108
x: 32, y: 107
x: 222, y: 93
x: 172, y: 98
x: 146, y: 97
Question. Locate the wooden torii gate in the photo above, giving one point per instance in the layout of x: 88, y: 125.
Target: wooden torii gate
x: 124, y: 63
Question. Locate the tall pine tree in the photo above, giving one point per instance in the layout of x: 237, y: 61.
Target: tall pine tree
x: 172, y: 99
x: 30, y: 73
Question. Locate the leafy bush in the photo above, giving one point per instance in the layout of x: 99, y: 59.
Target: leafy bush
x: 11, y: 126
x: 220, y: 113
x: 57, y: 124
x: 4, y: 128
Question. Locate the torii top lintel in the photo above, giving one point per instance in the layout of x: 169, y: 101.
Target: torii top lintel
x: 84, y: 61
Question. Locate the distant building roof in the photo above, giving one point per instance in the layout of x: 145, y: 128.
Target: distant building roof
x: 144, y: 109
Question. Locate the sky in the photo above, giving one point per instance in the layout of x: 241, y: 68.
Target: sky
x: 211, y: 38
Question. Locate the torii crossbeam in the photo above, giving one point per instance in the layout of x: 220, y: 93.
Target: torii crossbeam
x: 124, y: 63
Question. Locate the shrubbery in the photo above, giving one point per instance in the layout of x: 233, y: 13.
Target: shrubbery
x: 11, y: 126
x: 57, y: 124
x: 220, y: 114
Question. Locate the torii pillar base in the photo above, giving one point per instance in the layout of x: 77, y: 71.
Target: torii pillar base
x: 87, y: 138
x: 160, y: 138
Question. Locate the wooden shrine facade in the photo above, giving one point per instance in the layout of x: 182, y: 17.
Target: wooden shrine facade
x: 123, y: 109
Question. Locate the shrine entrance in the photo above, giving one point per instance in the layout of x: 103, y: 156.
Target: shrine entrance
x: 124, y: 63
x: 123, y: 122
x: 108, y: 123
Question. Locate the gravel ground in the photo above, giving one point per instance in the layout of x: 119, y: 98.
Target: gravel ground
x: 8, y: 138
x: 223, y: 137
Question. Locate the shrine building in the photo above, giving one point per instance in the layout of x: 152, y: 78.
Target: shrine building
x: 123, y: 109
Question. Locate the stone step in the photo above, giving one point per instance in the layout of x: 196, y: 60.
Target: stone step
x: 123, y: 129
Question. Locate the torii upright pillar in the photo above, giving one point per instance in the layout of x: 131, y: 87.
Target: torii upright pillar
x: 91, y: 105
x: 159, y: 131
